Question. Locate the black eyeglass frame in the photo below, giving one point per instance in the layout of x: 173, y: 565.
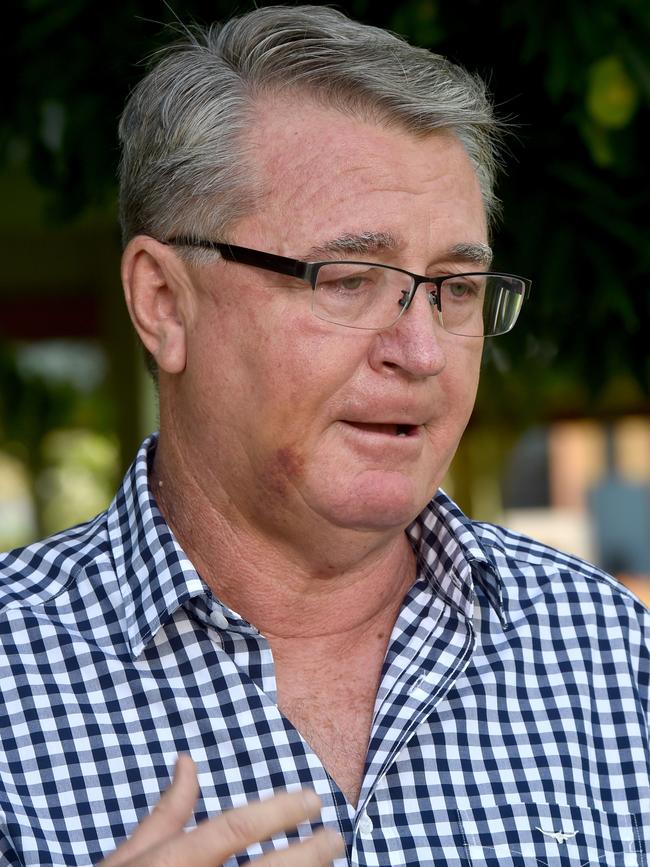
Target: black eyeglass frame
x: 308, y: 271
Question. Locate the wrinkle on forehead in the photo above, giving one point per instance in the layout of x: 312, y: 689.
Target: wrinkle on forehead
x: 355, y: 205
x: 279, y: 130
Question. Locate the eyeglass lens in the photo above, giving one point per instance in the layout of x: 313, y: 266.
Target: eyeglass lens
x: 374, y: 297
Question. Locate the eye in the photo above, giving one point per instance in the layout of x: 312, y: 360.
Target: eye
x: 347, y: 279
x: 457, y: 289
x: 350, y: 283
x: 462, y: 288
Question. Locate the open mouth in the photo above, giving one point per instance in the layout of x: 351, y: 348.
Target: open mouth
x: 398, y: 430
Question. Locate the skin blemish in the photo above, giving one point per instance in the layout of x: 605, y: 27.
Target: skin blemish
x: 290, y: 461
x: 285, y: 469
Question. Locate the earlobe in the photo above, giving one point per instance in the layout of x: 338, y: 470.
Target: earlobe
x: 154, y: 285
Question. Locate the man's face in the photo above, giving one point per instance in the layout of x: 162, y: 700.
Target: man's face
x: 294, y: 419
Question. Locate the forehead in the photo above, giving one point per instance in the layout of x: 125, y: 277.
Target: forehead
x: 324, y: 174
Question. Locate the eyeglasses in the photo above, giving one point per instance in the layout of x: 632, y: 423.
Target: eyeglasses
x: 373, y: 297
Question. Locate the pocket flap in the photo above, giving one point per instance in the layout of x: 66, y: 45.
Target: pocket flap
x: 553, y: 835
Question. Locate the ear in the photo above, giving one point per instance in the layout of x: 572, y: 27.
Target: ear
x: 158, y: 293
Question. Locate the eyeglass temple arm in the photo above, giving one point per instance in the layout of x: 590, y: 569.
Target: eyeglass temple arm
x: 244, y: 256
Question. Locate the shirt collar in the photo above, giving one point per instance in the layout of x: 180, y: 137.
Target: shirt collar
x: 154, y: 573
x: 452, y: 556
x: 156, y: 577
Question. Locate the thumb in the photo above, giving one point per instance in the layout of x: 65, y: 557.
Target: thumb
x: 167, y: 818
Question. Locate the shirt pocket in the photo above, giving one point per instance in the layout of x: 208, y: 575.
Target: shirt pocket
x: 552, y: 835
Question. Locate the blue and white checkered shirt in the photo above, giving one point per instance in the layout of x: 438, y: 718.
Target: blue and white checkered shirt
x: 510, y: 727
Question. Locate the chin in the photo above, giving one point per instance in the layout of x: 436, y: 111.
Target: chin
x: 377, y: 501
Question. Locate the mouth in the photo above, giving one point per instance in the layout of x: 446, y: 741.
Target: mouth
x: 387, y: 429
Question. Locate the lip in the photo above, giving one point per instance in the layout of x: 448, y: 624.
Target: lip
x: 377, y: 438
x: 399, y: 429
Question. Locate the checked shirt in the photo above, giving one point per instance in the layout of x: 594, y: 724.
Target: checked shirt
x: 510, y: 726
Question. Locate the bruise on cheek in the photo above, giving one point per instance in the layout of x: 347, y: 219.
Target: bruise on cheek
x: 285, y: 468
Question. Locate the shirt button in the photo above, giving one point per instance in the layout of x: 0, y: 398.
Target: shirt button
x: 219, y: 620
x: 365, y: 825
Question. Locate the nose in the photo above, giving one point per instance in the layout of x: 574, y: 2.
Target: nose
x: 415, y: 343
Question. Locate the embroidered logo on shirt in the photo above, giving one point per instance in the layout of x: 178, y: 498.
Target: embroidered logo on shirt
x: 558, y: 836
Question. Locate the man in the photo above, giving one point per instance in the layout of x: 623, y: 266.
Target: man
x: 278, y: 593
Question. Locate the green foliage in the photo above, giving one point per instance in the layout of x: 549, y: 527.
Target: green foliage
x: 612, y: 95
x: 33, y: 403
x: 575, y: 77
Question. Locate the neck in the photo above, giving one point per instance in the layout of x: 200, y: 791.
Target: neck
x: 321, y: 582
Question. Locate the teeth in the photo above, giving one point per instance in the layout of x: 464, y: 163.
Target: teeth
x: 402, y: 434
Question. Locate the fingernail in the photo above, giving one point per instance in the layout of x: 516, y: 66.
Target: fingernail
x: 310, y: 799
x: 181, y: 759
x: 177, y: 764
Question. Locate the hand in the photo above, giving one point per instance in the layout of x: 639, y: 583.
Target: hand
x: 159, y: 840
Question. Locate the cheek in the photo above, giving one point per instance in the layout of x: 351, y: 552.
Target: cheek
x: 458, y: 384
x: 302, y: 366
x: 462, y: 372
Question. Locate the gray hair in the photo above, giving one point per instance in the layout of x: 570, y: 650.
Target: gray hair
x: 185, y: 166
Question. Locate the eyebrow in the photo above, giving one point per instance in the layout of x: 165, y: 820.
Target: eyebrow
x: 380, y: 242
x: 357, y: 245
x: 477, y: 254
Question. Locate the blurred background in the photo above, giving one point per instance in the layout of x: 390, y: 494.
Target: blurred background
x: 559, y: 446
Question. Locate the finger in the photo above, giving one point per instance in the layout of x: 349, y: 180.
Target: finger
x: 219, y: 838
x: 167, y: 818
x: 321, y: 849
